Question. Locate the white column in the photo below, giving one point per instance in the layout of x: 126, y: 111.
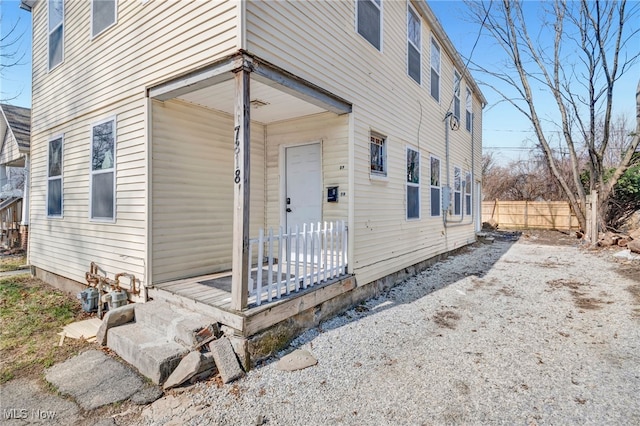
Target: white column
x: 25, y: 190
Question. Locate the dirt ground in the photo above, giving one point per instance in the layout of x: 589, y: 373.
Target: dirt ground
x: 546, y: 334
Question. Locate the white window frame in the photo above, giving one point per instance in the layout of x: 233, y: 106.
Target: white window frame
x: 432, y: 187
x: 435, y: 67
x: 378, y: 4
x: 115, y: 19
x: 457, y: 83
x: 413, y: 185
x: 457, y: 190
x: 373, y: 138
x: 418, y: 47
x: 468, y: 197
x: 112, y: 169
x: 60, y: 177
x: 469, y: 111
x: 50, y: 31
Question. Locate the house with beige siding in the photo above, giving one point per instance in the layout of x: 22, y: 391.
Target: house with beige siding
x: 257, y: 160
x: 15, y: 144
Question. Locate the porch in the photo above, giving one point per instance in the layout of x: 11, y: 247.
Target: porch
x: 242, y: 227
x: 297, y: 269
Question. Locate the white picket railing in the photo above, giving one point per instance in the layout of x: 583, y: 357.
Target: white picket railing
x: 296, y: 259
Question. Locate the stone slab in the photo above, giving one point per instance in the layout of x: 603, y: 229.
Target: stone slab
x: 114, y: 318
x: 147, y: 395
x: 296, y: 360
x: 94, y: 379
x: 188, y: 367
x: 226, y: 360
x: 150, y: 352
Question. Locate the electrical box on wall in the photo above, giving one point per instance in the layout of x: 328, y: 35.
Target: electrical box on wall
x: 446, y: 198
x: 332, y: 194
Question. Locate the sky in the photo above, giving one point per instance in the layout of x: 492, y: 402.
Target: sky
x: 507, y: 134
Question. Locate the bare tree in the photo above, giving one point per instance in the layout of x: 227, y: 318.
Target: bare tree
x: 592, y: 46
x: 11, y: 53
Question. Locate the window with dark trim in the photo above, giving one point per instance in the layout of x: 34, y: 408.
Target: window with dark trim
x: 55, y: 41
x: 378, y: 150
x: 456, y: 95
x: 54, y: 177
x: 435, y: 186
x: 469, y: 115
x: 103, y: 15
x: 413, y: 184
x: 369, y: 21
x: 103, y: 170
x: 414, y: 50
x: 435, y: 70
x: 457, y: 186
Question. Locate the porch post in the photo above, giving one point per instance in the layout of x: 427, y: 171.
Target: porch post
x: 240, y: 266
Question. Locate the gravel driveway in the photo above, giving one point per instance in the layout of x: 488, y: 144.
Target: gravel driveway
x: 505, y: 333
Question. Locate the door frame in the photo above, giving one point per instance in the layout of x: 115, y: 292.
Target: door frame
x: 282, y: 165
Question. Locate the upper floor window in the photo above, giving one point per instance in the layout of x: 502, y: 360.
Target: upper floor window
x: 56, y: 32
x: 414, y: 52
x: 378, y: 146
x: 456, y: 95
x: 103, y: 168
x: 369, y: 21
x: 435, y: 70
x: 103, y: 15
x: 469, y: 115
x: 54, y: 178
x: 413, y: 184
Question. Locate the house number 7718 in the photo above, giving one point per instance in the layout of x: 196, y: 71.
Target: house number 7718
x: 237, y: 179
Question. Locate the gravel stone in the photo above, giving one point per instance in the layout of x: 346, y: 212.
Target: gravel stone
x: 507, y: 333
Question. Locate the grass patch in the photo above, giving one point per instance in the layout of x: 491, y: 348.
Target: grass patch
x: 12, y: 263
x: 31, y: 313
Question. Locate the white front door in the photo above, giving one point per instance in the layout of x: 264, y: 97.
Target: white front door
x: 303, y: 185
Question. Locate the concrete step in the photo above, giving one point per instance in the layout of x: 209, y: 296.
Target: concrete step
x: 152, y: 353
x: 178, y: 324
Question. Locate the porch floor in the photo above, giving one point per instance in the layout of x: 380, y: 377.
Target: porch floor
x: 211, y: 295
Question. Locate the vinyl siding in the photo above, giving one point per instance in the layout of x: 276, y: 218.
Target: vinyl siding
x: 68, y: 245
x: 386, y: 100
x: 192, y: 189
x: 99, y: 78
x: 332, y: 132
x: 10, y: 151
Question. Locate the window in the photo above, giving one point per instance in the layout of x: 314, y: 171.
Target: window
x: 435, y: 70
x: 469, y: 116
x: 456, y: 95
x: 378, y: 155
x: 413, y: 184
x: 103, y: 15
x: 414, y: 29
x: 103, y: 144
x: 369, y: 21
x: 457, y: 184
x: 435, y: 186
x: 56, y: 32
x: 54, y: 178
x: 467, y: 194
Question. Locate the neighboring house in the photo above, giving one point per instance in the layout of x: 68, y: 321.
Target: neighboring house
x: 15, y: 123
x: 168, y: 136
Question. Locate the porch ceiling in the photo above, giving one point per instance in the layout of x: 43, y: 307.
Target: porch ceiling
x: 268, y: 104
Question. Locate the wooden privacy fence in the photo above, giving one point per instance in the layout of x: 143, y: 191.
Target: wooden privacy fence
x: 295, y: 259
x: 530, y: 214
